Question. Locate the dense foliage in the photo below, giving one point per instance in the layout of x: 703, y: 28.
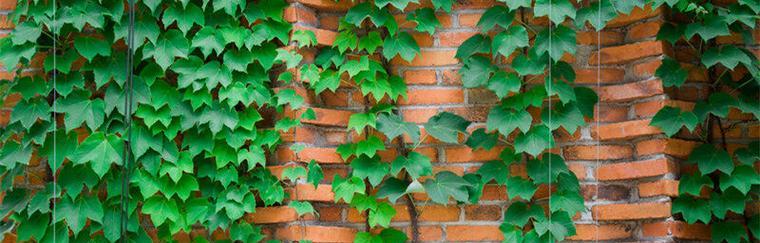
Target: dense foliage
x: 198, y: 145
x: 719, y: 182
x: 186, y: 127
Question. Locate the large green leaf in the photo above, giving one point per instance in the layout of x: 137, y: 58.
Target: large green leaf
x: 445, y: 185
x: 709, y: 158
x: 100, y: 150
x: 670, y: 120
x: 556, y: 42
x: 446, y: 127
x: 401, y: 44
x: 535, y: 141
x: 415, y: 164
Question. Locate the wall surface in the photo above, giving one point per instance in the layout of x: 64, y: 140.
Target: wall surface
x: 628, y: 169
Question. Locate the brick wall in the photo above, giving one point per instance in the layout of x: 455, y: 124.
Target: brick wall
x: 628, y: 170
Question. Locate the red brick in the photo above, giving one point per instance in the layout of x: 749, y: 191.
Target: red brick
x: 307, y: 192
x: 438, y: 213
x: 270, y: 215
x: 453, y: 38
x: 463, y: 154
x: 482, y: 212
x: 433, y: 96
x: 420, y: 115
x: 633, y: 211
x: 599, y: 75
x: 330, y: 117
x: 458, y: 233
x: 673, y: 147
x: 420, y: 77
x: 626, y: 53
x: 591, y: 232
x: 597, y: 152
x: 596, y: 38
x: 659, y: 188
x: 297, y: 14
x: 630, y: 91
x: 430, y: 58
x: 315, y: 233
x: 677, y: 229
x: 430, y: 233
x: 634, y: 170
x: 643, y: 30
x: 624, y: 130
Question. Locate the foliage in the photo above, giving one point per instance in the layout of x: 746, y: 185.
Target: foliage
x: 198, y: 146
x: 721, y: 182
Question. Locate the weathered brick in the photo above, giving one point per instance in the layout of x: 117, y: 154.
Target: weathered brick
x: 624, y: 130
x: 630, y: 91
x: 591, y: 232
x: 597, y: 152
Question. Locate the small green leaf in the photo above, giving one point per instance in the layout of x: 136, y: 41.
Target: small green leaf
x: 90, y: 47
x: 709, y: 159
x: 415, y: 164
x: 401, y: 44
x: 535, y: 141
x: 671, y: 73
x: 445, y: 185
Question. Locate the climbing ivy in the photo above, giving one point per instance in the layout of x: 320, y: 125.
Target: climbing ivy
x: 719, y: 181
x: 201, y: 100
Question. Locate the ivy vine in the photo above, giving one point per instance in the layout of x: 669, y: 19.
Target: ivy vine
x: 719, y: 181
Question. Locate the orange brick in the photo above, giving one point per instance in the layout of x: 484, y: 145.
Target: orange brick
x: 635, y: 16
x: 597, y: 152
x: 673, y: 147
x: 315, y: 233
x: 482, y: 212
x: 601, y: 75
x: 659, y: 188
x: 433, y: 96
x: 466, y: 154
x: 624, y: 130
x: 596, y: 38
x: 590, y: 232
x: 270, y: 215
x: 630, y: 91
x: 677, y: 229
x: 626, y: 53
x: 438, y: 213
x: 328, y: 5
x: 430, y: 58
x: 634, y: 170
x: 458, y: 233
x: 420, y: 77
x: 633, y: 211
x: 643, y: 30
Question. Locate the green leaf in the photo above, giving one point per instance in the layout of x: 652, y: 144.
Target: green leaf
x: 238, y: 60
x: 393, y: 189
x: 33, y: 227
x: 506, y: 120
x: 315, y: 174
x: 670, y: 120
x: 535, y: 141
x: 293, y: 173
x: 476, y: 71
x: 742, y: 179
x: 305, y: 38
x: 556, y: 10
x: 729, y: 200
x: 345, y: 188
x: 399, y: 4
x: 160, y: 209
x: 719, y: 104
x: 100, y: 150
x: 446, y: 184
x: 496, y: 15
x: 392, y: 126
x: 566, y: 115
x: 443, y: 4
x: 520, y: 213
x: 671, y: 73
x: 547, y: 169
x: 27, y: 112
x: 692, y: 209
x: 752, y: 4
x: 425, y: 19
x: 597, y: 14
x: 566, y: 201
x: 530, y: 64
x: 519, y: 187
x: 513, y: 38
x: 185, y: 17
x: 709, y: 159
x: 556, y: 42
x: 359, y: 121
x: 77, y: 211
x: 370, y: 42
x: 693, y: 184
x: 401, y: 44
x: 503, y: 83
x: 302, y: 207
x: 480, y: 139
x: 446, y: 127
x: 170, y: 44
x: 477, y: 44
x: 393, y: 235
x: 560, y: 226
x: 11, y: 55
x: 729, y: 56
x: 415, y: 164
x: 145, y: 27
x: 381, y: 216
x: 711, y: 26
x: 27, y: 31
x: 370, y: 168
x: 90, y: 47
x: 494, y: 170
x: 731, y: 232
